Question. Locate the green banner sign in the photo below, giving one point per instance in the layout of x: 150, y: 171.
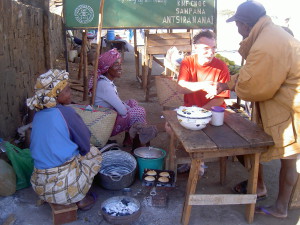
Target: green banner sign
x: 141, y: 13
x: 81, y: 13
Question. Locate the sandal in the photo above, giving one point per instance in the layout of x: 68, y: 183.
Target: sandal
x: 183, y: 168
x: 267, y: 211
x: 241, y: 188
x: 82, y: 205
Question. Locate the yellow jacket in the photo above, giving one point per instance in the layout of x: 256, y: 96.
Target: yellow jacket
x: 271, y: 77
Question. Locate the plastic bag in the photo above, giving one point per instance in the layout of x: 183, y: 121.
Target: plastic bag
x: 174, y: 56
x: 22, y: 163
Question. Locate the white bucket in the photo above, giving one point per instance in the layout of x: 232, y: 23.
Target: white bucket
x: 72, y: 55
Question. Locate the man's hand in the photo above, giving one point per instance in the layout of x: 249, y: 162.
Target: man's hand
x: 211, y: 90
x: 221, y: 87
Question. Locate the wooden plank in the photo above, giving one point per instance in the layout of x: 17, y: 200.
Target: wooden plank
x: 162, y: 36
x: 77, y: 88
x: 174, y: 42
x: 191, y: 140
x: 252, y: 185
x: 224, y: 137
x: 72, y: 81
x: 190, y: 190
x: 158, y: 61
x: 161, y: 50
x: 199, y: 153
x: 222, y: 199
x: 56, y: 208
x: 254, y: 134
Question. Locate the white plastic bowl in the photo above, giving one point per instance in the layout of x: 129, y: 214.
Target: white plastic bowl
x: 193, y: 118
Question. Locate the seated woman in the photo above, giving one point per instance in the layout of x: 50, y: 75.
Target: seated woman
x: 65, y: 162
x: 129, y: 112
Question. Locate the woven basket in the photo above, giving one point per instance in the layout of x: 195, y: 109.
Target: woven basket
x: 167, y: 92
x: 100, y: 121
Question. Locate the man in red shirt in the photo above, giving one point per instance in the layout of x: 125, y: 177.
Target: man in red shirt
x: 201, y: 71
x: 198, y: 76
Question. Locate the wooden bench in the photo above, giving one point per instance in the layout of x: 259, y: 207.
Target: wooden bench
x: 159, y: 44
x: 63, y: 213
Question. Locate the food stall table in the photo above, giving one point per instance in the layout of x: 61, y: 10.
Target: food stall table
x: 237, y: 136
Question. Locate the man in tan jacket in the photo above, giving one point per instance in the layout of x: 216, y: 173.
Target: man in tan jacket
x: 271, y: 79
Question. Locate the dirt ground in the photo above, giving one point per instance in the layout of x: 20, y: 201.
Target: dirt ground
x: 23, y: 209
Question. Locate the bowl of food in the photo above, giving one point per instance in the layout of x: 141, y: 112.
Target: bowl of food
x: 193, y: 118
x: 121, y: 210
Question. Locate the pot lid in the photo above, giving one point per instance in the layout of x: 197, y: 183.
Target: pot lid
x: 193, y: 112
x: 217, y: 109
x: 148, y: 152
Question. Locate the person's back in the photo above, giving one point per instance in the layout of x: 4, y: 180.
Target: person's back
x: 51, y: 145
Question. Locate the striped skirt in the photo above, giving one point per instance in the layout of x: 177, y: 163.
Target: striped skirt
x: 70, y: 182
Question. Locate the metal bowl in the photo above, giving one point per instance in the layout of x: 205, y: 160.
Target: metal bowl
x: 193, y: 118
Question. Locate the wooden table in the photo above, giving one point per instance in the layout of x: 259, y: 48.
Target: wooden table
x: 238, y: 136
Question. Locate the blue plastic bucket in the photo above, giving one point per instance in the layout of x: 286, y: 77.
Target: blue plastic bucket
x: 110, y: 35
x: 146, y: 163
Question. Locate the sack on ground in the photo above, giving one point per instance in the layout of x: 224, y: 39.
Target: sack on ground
x: 7, y: 179
x: 100, y: 121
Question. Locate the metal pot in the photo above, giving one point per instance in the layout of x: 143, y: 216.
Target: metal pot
x: 124, y: 219
x: 118, y: 170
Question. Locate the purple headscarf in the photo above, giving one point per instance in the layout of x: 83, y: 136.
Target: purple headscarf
x: 105, y: 61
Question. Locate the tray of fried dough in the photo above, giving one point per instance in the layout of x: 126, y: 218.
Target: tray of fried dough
x: 158, y: 178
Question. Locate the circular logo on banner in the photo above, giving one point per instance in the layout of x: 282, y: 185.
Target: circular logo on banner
x: 84, y: 14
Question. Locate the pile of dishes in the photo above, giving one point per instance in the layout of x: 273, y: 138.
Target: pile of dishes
x: 193, y: 118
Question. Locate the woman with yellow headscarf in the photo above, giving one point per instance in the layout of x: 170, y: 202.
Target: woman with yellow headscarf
x: 65, y: 162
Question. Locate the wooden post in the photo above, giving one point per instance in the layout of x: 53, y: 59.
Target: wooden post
x: 66, y: 47
x: 85, y: 66
x: 136, y: 56
x: 80, y: 63
x: 190, y: 190
x: 145, y: 62
x: 97, y: 51
x: 46, y: 21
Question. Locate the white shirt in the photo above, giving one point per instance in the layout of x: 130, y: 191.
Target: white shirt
x: 107, y: 96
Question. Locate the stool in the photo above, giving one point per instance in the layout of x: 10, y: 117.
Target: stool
x: 63, y: 213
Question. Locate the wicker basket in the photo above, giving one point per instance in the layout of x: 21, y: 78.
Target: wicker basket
x: 100, y: 121
x: 167, y: 92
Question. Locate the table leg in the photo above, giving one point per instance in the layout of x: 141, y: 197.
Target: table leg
x: 223, y: 169
x: 252, y: 185
x: 190, y: 189
x: 171, y: 162
x: 145, y: 71
x: 148, y: 84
